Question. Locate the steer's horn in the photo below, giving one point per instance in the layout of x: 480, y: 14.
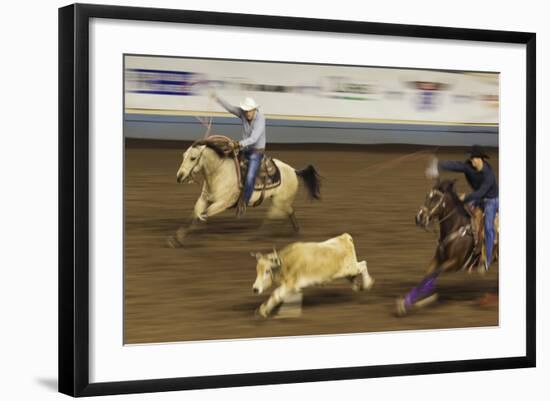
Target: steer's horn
x: 276, y: 258
x: 256, y: 255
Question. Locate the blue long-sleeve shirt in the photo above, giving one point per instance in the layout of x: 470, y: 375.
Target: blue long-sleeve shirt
x: 254, y: 131
x: 484, y: 182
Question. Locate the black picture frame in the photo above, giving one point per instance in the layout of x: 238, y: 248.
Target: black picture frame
x: 74, y: 198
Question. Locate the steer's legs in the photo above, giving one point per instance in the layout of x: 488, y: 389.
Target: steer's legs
x: 360, y: 278
x: 276, y: 298
x: 367, y: 280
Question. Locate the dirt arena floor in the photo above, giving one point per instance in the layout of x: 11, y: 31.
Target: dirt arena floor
x: 204, y: 291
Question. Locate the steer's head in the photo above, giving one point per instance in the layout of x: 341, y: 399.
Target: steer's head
x: 266, y: 266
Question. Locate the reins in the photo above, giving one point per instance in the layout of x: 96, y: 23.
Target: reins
x: 460, y: 232
x: 446, y: 217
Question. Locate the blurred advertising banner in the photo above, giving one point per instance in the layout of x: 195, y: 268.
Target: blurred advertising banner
x: 181, y: 86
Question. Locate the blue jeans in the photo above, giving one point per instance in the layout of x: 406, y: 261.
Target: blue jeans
x: 490, y: 207
x: 254, y: 160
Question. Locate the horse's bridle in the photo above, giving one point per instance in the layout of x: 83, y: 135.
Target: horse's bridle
x: 439, y: 203
x: 192, y: 171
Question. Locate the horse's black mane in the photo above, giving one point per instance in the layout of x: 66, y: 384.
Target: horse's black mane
x: 216, y: 146
x: 447, y: 186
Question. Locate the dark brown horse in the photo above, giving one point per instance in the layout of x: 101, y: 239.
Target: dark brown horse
x: 455, y: 248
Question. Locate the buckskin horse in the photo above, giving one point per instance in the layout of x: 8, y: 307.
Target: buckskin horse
x: 210, y: 160
x: 455, y: 248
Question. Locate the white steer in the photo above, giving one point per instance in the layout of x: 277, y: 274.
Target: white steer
x: 305, y: 264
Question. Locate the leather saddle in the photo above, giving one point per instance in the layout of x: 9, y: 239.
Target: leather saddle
x: 476, y: 222
x: 268, y: 175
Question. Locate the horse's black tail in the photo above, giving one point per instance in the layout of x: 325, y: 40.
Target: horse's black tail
x: 312, y: 180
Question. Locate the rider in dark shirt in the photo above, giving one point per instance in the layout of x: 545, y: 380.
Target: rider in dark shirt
x: 483, y: 182
x: 480, y: 176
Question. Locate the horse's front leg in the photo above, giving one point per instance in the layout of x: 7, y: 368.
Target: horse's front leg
x: 425, y: 290
x: 432, y: 265
x: 202, y: 211
x: 178, y: 240
x: 201, y: 205
x: 421, y: 295
x: 182, y: 232
x: 424, y: 293
x: 427, y: 285
x: 213, y: 209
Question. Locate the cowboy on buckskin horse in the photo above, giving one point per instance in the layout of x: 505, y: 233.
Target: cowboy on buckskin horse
x: 252, y: 146
x: 480, y: 176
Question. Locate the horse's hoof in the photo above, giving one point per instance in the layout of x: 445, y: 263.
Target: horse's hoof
x: 424, y: 302
x: 401, y: 309
x: 173, y: 242
x: 181, y: 235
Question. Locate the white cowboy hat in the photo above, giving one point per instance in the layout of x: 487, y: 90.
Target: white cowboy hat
x: 249, y: 104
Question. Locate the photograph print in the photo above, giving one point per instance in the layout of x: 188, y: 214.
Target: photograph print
x: 266, y: 199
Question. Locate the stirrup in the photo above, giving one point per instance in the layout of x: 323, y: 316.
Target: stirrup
x: 474, y: 263
x: 241, y: 206
x: 478, y: 266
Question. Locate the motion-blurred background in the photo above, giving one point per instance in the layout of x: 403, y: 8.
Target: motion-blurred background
x: 312, y: 103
